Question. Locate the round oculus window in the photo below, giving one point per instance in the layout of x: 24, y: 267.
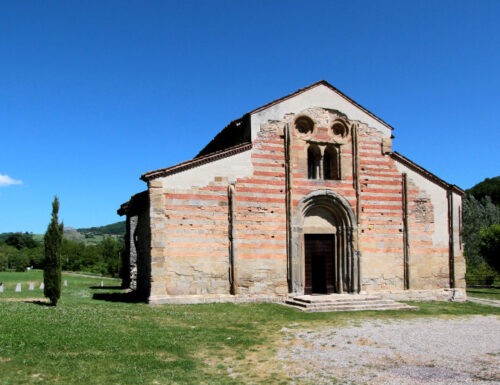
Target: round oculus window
x: 304, y: 125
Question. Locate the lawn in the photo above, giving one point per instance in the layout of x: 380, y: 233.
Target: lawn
x: 484, y: 293
x: 93, y: 341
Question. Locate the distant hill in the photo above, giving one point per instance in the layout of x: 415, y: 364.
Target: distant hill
x: 91, y: 235
x: 73, y: 234
x: 117, y: 228
x: 489, y: 186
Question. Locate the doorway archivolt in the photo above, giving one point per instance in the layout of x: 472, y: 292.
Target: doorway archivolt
x: 323, y: 257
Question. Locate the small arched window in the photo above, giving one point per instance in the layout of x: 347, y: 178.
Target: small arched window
x: 331, y: 164
x: 313, y: 162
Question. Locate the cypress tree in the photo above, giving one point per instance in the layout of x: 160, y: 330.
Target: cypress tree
x: 52, y: 264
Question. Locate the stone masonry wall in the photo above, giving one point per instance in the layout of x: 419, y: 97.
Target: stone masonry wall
x: 382, y: 225
x: 190, y: 226
x: 260, y: 221
x: 381, y: 232
x: 195, y: 236
x: 142, y: 241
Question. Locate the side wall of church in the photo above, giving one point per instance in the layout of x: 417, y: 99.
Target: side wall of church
x: 190, y: 241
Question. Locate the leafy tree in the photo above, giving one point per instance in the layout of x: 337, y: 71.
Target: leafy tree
x: 52, y: 264
x: 35, y: 256
x: 7, y: 254
x: 489, y: 245
x: 476, y: 214
x: 111, y: 251
x: 21, y: 261
x: 488, y: 187
x: 21, y: 241
x: 100, y: 259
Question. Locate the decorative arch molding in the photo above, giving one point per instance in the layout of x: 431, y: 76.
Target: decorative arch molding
x: 347, y: 271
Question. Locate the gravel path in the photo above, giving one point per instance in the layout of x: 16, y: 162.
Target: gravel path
x: 484, y: 301
x: 463, y: 350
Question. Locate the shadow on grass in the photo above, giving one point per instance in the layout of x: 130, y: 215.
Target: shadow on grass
x: 130, y: 297
x: 106, y: 287
x: 40, y: 303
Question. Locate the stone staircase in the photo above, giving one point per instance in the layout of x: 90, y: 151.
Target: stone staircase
x: 344, y: 302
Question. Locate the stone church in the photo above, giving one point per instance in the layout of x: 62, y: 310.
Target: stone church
x: 303, y: 195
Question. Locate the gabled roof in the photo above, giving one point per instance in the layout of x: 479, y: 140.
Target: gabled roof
x: 238, y: 131
x: 235, y: 137
x: 426, y: 174
x: 326, y: 84
x: 195, y: 162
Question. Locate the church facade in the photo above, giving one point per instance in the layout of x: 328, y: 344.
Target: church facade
x: 301, y: 196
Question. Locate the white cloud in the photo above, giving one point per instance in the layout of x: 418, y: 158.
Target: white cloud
x: 6, y: 180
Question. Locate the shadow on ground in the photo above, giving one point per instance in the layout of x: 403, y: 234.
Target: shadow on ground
x: 130, y: 297
x: 40, y: 303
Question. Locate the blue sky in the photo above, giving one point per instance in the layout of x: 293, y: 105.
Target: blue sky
x: 95, y: 93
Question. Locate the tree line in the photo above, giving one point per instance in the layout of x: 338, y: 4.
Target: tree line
x: 18, y: 251
x: 481, y: 232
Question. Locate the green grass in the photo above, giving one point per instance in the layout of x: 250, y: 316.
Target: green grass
x: 484, y: 293
x: 89, y: 341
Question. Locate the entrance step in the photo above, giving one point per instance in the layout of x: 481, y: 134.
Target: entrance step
x: 344, y: 302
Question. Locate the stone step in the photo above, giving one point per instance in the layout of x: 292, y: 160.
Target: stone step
x: 353, y: 308
x: 335, y: 299
x: 345, y: 304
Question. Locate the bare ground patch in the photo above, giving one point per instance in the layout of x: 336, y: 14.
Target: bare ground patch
x: 461, y: 350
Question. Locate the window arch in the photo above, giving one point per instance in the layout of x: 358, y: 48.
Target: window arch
x: 331, y: 164
x: 313, y: 162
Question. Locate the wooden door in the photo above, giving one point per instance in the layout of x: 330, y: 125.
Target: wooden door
x: 319, y: 264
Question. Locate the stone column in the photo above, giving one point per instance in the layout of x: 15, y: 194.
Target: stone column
x: 340, y: 258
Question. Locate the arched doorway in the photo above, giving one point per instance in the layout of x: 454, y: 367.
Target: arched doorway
x: 324, y: 259
x: 319, y: 231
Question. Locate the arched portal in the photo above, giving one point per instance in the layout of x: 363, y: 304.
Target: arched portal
x: 323, y: 257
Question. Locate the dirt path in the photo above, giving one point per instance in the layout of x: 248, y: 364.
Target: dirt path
x: 484, y: 301
x: 461, y: 350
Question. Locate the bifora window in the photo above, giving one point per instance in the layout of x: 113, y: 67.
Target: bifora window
x: 323, y: 162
